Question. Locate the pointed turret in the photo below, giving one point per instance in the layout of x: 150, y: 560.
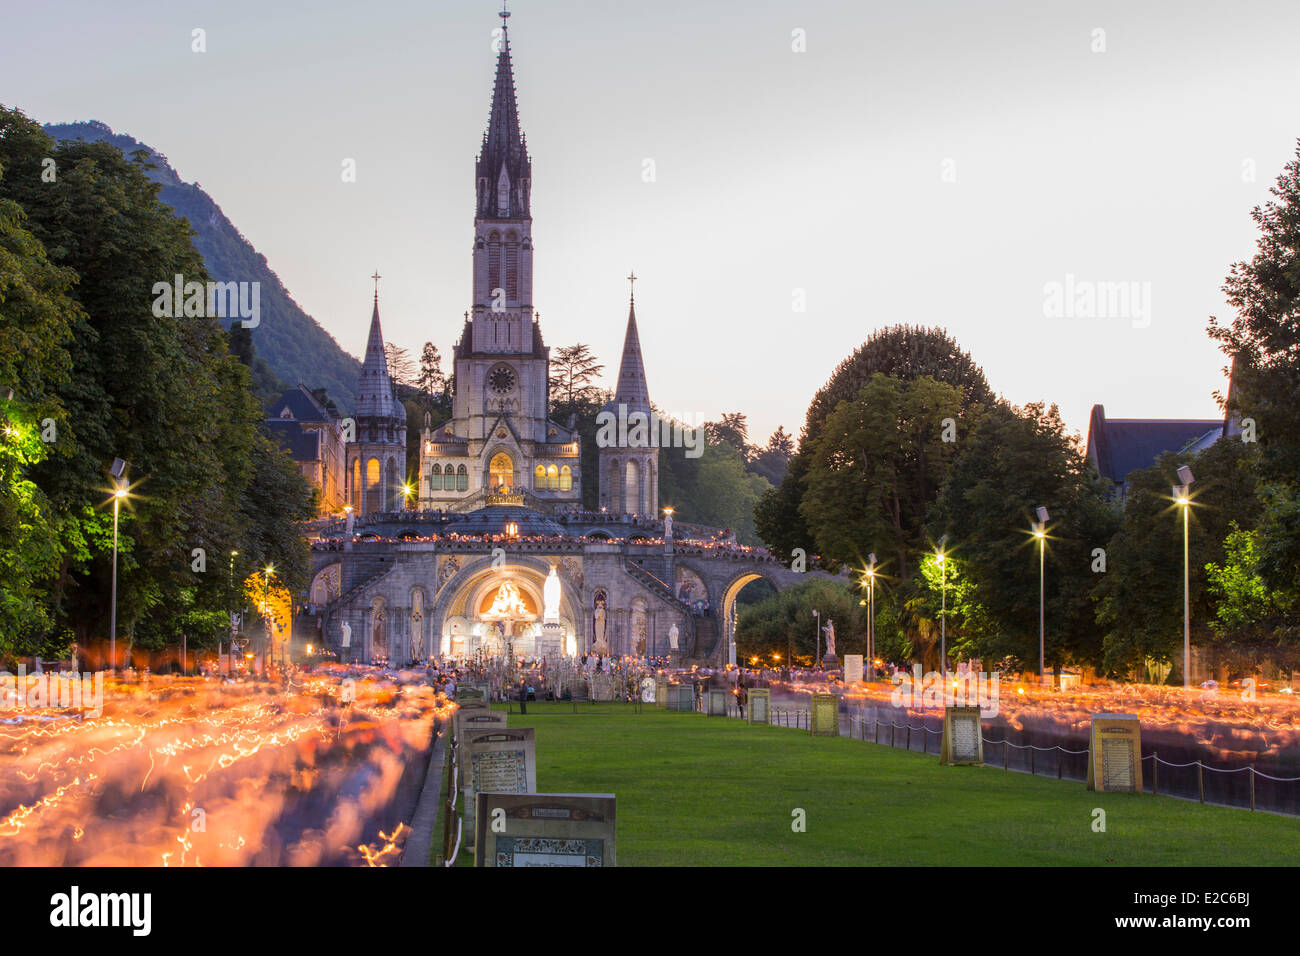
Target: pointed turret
x: 504, y: 170
x: 375, y: 390
x: 632, y: 390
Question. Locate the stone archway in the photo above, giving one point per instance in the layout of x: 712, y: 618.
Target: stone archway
x: 476, y: 582
x: 727, y: 607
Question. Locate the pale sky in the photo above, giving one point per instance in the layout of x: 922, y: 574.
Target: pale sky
x: 922, y: 162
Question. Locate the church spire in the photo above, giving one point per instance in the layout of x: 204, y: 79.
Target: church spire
x: 375, y: 390
x: 632, y: 389
x: 504, y: 170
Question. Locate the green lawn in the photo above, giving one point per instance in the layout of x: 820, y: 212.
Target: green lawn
x: 695, y: 790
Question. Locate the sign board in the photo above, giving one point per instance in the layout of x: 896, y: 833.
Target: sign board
x: 760, y: 705
x: 649, y: 690
x: 661, y: 692
x: 499, y: 760
x: 716, y: 702
x: 1115, y: 753
x: 477, y: 718
x: 853, y: 668
x: 824, y: 718
x: 963, y: 741
x: 681, y: 697
x: 545, y: 829
x: 473, y: 695
x: 602, y: 686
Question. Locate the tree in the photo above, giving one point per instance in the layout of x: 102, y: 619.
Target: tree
x: 906, y: 353
x: 431, y: 380
x: 573, y: 372
x: 877, y: 464
x: 1140, y: 596
x: 1014, y: 461
x: 732, y: 430
x: 1263, y: 342
x: 35, y: 312
x: 148, y: 383
x: 401, y: 370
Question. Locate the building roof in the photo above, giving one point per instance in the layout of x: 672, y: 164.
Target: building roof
x: 505, y: 149
x: 632, y: 389
x: 302, y: 444
x: 301, y: 405
x: 1121, y: 445
x: 375, y: 397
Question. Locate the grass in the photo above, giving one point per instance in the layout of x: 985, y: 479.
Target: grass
x: 700, y: 791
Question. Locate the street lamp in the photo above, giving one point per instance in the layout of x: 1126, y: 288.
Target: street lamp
x: 943, y: 613
x: 1040, y: 532
x: 871, y: 610
x: 118, y: 472
x: 1183, y: 497
x: 817, y: 638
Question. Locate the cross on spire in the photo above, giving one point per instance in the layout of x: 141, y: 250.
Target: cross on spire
x: 632, y: 282
x: 376, y: 277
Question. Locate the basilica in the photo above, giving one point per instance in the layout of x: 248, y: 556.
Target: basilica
x: 492, y: 553
x: 500, y: 447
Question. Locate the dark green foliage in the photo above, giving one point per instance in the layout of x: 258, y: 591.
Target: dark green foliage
x: 293, y: 345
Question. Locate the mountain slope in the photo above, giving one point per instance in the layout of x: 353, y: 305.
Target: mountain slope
x: 294, y: 345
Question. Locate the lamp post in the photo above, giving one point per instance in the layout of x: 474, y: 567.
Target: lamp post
x: 119, y: 492
x: 817, y: 638
x: 1183, y: 497
x: 1040, y: 532
x: 943, y: 613
x: 267, y: 656
x: 871, y: 612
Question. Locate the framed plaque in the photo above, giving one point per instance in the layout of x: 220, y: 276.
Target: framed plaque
x: 760, y: 705
x: 963, y: 743
x: 1115, y: 753
x: 824, y: 717
x: 545, y: 829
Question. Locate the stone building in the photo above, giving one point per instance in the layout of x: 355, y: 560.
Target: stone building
x: 468, y: 572
x: 500, y: 444
x: 311, y: 433
x: 376, y: 453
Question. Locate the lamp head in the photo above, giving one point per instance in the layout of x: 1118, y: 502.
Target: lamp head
x: 1185, y: 475
x: 118, y: 469
x: 1042, y: 514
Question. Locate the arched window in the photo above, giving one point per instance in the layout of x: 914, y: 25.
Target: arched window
x: 552, y: 478
x: 632, y: 489
x: 501, y: 473
x: 566, y: 478
x: 462, y: 478
x: 539, y: 477
x: 435, y: 479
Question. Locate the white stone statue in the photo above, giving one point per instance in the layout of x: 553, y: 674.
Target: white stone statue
x: 347, y: 634
x: 668, y: 526
x: 673, y: 635
x: 829, y: 631
x: 551, y: 597
x: 599, y: 644
x: 351, y: 519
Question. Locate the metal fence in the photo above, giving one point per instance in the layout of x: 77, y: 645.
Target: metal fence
x: 1238, y: 787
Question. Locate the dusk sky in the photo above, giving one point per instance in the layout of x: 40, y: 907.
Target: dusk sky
x: 928, y: 163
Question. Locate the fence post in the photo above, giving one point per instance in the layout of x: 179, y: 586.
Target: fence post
x: 1033, y: 761
x: 1155, y: 773
x: 891, y: 734
x: 1060, y: 761
x: 1006, y: 754
x: 1252, y: 788
x: 1200, y: 779
x: 909, y: 737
